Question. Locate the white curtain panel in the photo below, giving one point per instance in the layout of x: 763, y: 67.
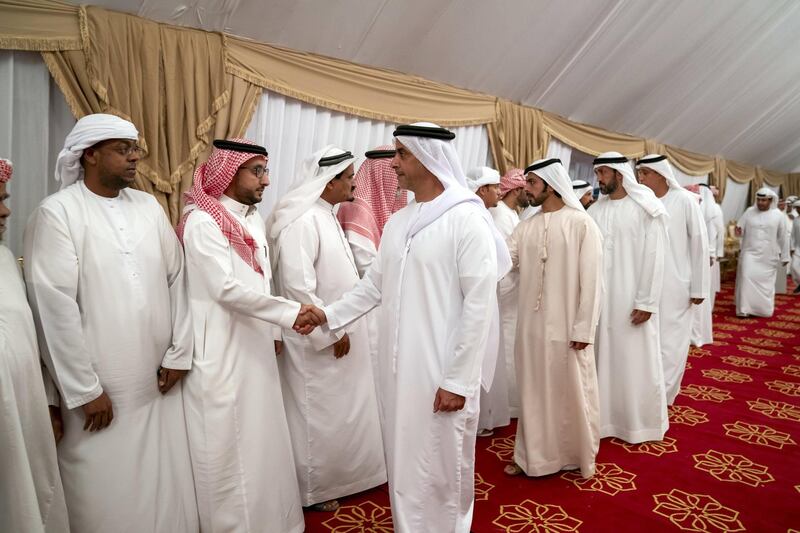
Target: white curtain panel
x: 292, y: 130
x: 556, y: 148
x: 687, y: 179
x: 34, y: 120
x: 735, y: 201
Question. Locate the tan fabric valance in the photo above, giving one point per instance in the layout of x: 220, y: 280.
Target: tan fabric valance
x: 182, y: 87
x: 355, y: 89
x: 39, y: 25
x: 591, y: 139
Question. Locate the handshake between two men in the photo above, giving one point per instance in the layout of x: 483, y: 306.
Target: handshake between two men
x: 309, y: 317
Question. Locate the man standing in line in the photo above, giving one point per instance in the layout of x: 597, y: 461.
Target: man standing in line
x: 559, y: 254
x: 106, y: 284
x: 328, y: 383
x: 687, y: 272
x: 31, y: 493
x: 494, y: 412
x: 633, y: 404
x: 238, y: 435
x: 513, y: 199
x: 764, y: 251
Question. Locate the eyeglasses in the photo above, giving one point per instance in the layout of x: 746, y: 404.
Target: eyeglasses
x: 128, y: 150
x: 258, y: 170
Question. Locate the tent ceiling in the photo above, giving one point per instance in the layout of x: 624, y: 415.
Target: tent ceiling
x: 712, y: 76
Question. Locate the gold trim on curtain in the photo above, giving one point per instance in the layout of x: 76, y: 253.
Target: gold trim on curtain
x: 591, y: 139
x: 368, y: 92
x: 39, y: 25
x: 516, y: 138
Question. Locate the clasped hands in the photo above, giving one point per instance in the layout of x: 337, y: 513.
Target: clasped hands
x: 309, y: 317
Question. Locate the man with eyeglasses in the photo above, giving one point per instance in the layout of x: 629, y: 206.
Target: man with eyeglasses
x: 238, y: 434
x: 105, y: 279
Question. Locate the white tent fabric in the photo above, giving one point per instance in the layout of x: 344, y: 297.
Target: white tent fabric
x: 733, y: 83
x: 292, y: 130
x: 34, y: 120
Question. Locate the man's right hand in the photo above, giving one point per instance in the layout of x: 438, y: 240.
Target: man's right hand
x: 309, y: 317
x: 98, y: 413
x: 639, y: 317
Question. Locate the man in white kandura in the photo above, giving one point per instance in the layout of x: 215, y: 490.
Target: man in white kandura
x: 513, y: 198
x: 764, y: 250
x: 795, y: 266
x: 633, y: 404
x: 328, y: 384
x: 105, y: 277
x: 494, y: 412
x: 559, y: 254
x: 436, y: 278
x: 687, y: 272
x: 238, y: 434
x: 584, y: 192
x: 702, y: 315
x: 31, y: 494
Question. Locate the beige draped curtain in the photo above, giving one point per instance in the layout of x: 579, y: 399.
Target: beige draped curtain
x: 184, y: 87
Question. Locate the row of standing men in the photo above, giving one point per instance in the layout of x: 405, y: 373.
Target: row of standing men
x: 112, y: 294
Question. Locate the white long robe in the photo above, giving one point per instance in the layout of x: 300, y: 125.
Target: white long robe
x: 506, y: 219
x: 106, y: 284
x: 238, y: 433
x: 764, y: 247
x: 795, y: 264
x: 702, y: 323
x: 687, y: 275
x: 436, y: 304
x: 633, y: 402
x: 331, y: 403
x: 364, y: 253
x: 783, y: 270
x: 31, y: 494
x: 559, y: 419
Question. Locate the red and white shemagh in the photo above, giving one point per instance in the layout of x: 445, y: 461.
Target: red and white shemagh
x: 210, y: 181
x: 376, y: 198
x: 513, y: 179
x: 6, y: 169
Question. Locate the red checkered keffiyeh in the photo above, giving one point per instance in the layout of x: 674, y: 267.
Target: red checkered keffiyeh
x: 376, y: 199
x: 210, y: 181
x: 513, y: 179
x: 6, y: 169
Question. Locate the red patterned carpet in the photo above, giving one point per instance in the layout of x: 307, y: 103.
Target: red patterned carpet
x: 730, y: 461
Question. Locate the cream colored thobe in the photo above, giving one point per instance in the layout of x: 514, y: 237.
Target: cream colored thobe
x: 330, y: 403
x: 106, y: 285
x: 633, y: 402
x: 238, y: 433
x: 31, y: 494
x: 437, y: 291
x: 559, y: 256
x: 687, y: 275
x: 506, y: 219
x: 763, y: 250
